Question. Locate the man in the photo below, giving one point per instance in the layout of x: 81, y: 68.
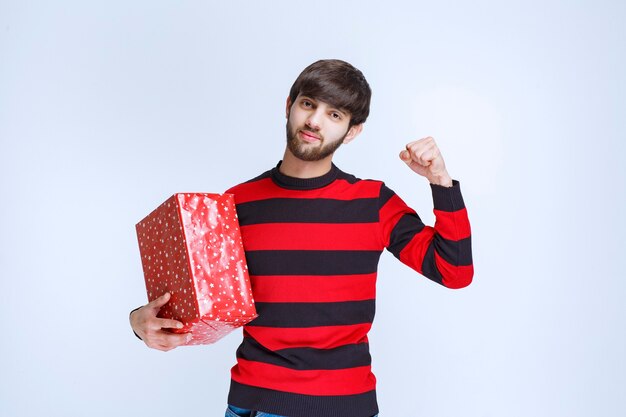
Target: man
x: 313, y: 235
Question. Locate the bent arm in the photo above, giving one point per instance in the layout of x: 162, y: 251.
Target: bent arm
x: 442, y: 253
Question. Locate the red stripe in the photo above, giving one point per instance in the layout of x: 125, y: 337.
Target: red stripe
x: 339, y: 190
x: 454, y: 276
x: 317, y: 236
x: 313, y: 288
x: 452, y: 225
x: 414, y: 252
x: 323, y: 337
x: 390, y: 214
x: 311, y: 382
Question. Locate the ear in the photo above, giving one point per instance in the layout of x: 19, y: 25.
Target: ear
x: 353, y: 132
x: 288, y: 107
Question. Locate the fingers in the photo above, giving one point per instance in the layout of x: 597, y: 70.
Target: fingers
x: 154, y: 324
x: 422, y: 152
x: 152, y: 327
x: 169, y: 324
x: 160, y: 302
x: 405, y: 156
x: 165, y: 341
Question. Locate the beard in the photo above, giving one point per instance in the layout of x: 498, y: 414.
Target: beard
x: 310, y: 153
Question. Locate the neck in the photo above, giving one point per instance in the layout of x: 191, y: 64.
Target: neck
x: 297, y: 168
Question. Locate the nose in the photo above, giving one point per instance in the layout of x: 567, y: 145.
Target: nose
x: 314, y: 120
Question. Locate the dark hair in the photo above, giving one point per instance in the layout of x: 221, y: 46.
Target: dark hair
x: 337, y: 83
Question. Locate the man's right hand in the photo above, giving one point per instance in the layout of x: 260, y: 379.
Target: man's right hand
x: 150, y: 328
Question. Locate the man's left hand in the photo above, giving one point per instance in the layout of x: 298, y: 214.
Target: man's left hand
x: 423, y: 157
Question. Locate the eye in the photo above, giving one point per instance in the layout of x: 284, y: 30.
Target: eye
x: 306, y: 103
x: 336, y: 115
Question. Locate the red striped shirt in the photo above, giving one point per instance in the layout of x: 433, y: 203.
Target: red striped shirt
x: 312, y: 247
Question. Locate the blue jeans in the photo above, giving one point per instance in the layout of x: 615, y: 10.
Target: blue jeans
x: 232, y: 411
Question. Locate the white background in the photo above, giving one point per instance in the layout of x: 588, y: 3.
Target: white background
x: 109, y: 107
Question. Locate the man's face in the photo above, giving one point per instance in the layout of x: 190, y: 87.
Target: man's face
x: 316, y: 129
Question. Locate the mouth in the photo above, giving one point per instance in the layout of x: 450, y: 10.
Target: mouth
x: 308, y: 136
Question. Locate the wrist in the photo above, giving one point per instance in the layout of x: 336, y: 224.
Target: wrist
x: 443, y: 180
x: 132, y: 323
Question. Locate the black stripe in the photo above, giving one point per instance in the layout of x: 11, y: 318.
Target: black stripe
x: 385, y: 195
x: 407, y: 227
x: 447, y: 198
x: 311, y: 262
x: 429, y: 269
x: 264, y: 175
x: 298, y: 405
x: 347, y: 177
x: 457, y: 253
x: 306, y: 358
x: 301, y: 210
x: 314, y: 314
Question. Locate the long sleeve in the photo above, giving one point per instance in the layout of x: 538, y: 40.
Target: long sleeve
x: 131, y: 312
x: 442, y: 253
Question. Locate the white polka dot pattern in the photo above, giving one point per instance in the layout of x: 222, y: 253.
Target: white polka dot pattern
x: 191, y: 246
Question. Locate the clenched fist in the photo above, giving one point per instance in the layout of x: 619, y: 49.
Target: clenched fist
x: 423, y: 157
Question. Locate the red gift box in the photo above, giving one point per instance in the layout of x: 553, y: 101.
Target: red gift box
x: 191, y: 247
